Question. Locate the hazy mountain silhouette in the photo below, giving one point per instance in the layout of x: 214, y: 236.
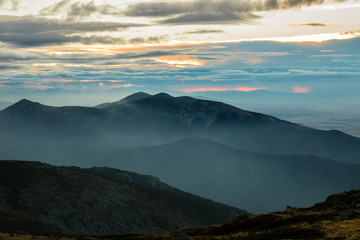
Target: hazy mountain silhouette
x: 235, y: 127
x: 253, y: 181
x: 102, y: 201
x: 88, y: 136
x: 131, y: 98
x: 142, y: 119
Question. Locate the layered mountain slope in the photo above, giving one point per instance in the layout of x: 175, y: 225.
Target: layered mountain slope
x: 103, y: 201
x: 254, y: 181
x: 142, y: 119
x: 236, y: 127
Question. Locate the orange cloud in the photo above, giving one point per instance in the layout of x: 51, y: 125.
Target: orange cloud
x: 213, y: 89
x: 301, y: 89
x: 249, y: 89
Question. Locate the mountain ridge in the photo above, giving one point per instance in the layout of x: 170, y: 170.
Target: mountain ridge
x: 239, y: 178
x: 82, y: 202
x: 338, y: 217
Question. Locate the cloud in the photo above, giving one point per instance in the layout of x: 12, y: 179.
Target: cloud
x: 222, y: 89
x: 249, y: 89
x: 11, y: 4
x: 309, y: 25
x: 190, y: 12
x: 297, y: 89
x: 204, y: 31
x: 4, y: 66
x: 211, y: 11
x: 152, y: 39
x: 32, y: 31
x: 78, y: 9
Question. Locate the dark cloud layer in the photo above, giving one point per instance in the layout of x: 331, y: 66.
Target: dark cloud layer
x: 309, y: 25
x: 211, y: 11
x: 30, y: 31
x: 204, y: 31
x: 78, y: 9
x: 181, y: 12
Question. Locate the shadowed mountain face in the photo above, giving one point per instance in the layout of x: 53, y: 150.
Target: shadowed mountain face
x: 18, y: 222
x: 336, y: 218
x: 142, y: 119
x: 102, y: 201
x: 254, y: 181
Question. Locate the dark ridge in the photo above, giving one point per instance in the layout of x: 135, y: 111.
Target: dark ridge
x: 103, y: 201
x: 20, y: 223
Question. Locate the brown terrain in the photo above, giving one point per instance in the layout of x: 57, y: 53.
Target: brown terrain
x: 338, y: 218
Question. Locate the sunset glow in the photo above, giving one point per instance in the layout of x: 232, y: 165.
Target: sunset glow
x: 213, y: 89
x: 301, y: 89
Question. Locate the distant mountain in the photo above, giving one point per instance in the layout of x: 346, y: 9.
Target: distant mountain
x: 165, y: 115
x: 100, y: 201
x: 256, y: 182
x: 142, y: 119
x: 131, y: 98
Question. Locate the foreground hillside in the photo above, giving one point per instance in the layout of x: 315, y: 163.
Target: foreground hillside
x: 256, y: 182
x: 338, y: 218
x: 98, y: 201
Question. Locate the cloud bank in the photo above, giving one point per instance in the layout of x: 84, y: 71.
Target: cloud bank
x: 211, y: 11
x: 33, y: 31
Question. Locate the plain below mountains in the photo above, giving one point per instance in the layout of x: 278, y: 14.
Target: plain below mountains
x: 97, y: 201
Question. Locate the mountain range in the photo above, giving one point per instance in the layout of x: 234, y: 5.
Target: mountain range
x: 257, y: 182
x: 142, y: 119
x: 250, y: 160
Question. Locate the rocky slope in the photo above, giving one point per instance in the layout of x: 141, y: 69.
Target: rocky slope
x: 102, y: 201
x: 18, y: 222
x: 337, y: 218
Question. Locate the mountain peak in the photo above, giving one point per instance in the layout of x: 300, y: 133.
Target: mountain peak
x: 134, y: 97
x: 25, y: 101
x: 22, y: 105
x: 128, y: 99
x: 162, y: 95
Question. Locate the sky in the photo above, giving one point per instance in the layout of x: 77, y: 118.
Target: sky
x: 110, y: 48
